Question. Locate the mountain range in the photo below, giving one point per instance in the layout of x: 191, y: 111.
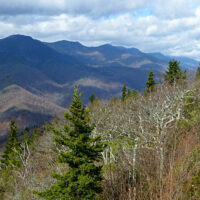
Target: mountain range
x: 37, y: 78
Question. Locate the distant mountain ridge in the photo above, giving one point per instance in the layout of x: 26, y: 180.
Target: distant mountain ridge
x: 47, y: 72
x: 187, y: 63
x: 116, y: 52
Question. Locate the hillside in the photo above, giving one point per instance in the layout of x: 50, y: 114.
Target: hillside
x: 27, y: 109
x: 108, y: 55
x: 42, y: 70
x: 50, y: 71
x: 152, y: 148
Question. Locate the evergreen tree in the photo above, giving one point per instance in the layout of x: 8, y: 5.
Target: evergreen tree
x: 35, y: 135
x: 92, y: 98
x: 134, y: 92
x: 174, y: 72
x: 82, y: 180
x: 129, y: 92
x: 150, y: 84
x: 9, y: 157
x: 198, y: 73
x: 124, y: 92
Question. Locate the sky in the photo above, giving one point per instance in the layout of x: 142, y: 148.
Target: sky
x: 168, y: 26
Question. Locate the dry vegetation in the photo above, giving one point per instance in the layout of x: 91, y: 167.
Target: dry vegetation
x: 153, y: 150
x: 27, y: 109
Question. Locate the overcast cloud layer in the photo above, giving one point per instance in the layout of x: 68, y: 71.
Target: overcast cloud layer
x: 171, y: 27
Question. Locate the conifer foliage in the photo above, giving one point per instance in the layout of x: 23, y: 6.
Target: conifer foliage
x: 174, y: 72
x: 82, y: 180
x: 198, y: 73
x: 92, y: 98
x: 124, y: 92
x: 10, y: 153
x: 150, y: 84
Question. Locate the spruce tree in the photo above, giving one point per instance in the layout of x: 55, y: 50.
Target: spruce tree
x: 174, y: 72
x: 124, y: 92
x: 9, y: 157
x: 82, y: 180
x: 134, y: 92
x: 150, y: 84
x: 129, y: 92
x: 92, y: 98
x: 198, y: 73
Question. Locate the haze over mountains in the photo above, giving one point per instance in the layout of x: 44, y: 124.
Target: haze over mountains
x: 37, y: 78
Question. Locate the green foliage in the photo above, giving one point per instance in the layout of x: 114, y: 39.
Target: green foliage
x: 192, y: 120
x: 191, y: 110
x: 150, y: 84
x: 15, y: 154
x: 174, y: 72
x: 92, y: 98
x: 124, y: 92
x: 129, y: 92
x: 134, y: 93
x: 195, y: 184
x: 6, y: 182
x: 192, y: 185
x: 9, y: 157
x: 82, y: 180
x: 35, y: 135
x: 198, y: 73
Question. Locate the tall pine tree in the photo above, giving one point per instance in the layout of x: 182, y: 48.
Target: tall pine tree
x: 150, y: 84
x: 198, y: 73
x: 9, y: 157
x: 124, y: 92
x: 82, y: 180
x: 92, y: 98
x: 129, y: 92
x: 174, y: 72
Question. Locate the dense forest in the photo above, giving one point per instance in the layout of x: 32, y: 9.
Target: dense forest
x: 142, y: 146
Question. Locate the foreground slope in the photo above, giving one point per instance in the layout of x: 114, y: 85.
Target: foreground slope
x: 152, y: 152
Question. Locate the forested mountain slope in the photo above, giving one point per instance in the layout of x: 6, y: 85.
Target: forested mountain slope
x: 50, y: 71
x: 152, y: 148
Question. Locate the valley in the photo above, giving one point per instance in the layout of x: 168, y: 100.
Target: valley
x: 37, y: 78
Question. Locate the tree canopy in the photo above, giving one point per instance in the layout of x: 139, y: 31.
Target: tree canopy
x: 150, y: 84
x: 82, y: 180
x: 12, y: 146
x: 124, y: 92
x: 174, y: 72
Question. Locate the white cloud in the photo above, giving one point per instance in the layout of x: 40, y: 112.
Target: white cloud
x: 174, y: 8
x: 93, y: 8
x: 171, y: 27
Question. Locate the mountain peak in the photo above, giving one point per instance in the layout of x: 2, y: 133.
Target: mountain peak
x: 66, y: 42
x: 106, y: 45
x: 18, y: 36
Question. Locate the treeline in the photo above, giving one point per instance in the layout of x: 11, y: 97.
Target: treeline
x: 140, y: 147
